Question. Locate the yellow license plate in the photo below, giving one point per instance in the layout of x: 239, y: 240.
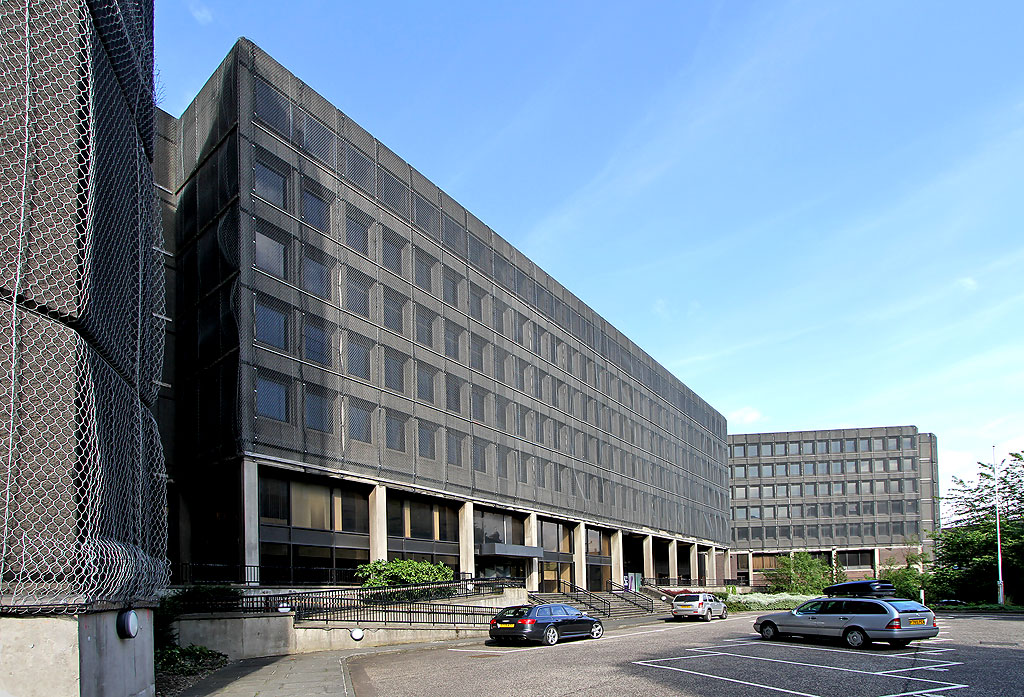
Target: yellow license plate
x: 916, y: 621
x: 506, y: 626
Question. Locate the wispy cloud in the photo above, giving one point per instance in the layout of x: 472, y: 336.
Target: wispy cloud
x: 745, y: 415
x: 200, y: 12
x: 967, y: 283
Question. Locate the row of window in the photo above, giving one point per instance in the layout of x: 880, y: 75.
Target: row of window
x: 273, y: 398
x: 277, y: 112
x: 823, y: 468
x: 839, y: 509
x: 823, y: 447
x: 883, y: 530
x: 805, y: 489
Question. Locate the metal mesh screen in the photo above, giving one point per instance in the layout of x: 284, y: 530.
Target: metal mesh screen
x: 82, y: 490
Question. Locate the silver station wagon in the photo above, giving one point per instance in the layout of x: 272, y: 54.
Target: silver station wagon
x: 856, y: 620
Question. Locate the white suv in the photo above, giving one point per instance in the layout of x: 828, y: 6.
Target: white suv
x: 702, y: 605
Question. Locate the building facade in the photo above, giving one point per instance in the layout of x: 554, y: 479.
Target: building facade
x: 856, y: 497
x: 364, y: 370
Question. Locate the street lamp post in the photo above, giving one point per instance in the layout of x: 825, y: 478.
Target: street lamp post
x: 1000, y: 598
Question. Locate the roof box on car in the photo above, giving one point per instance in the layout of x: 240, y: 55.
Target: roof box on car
x: 870, y: 588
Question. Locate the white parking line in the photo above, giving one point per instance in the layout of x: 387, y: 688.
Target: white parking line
x: 721, y: 677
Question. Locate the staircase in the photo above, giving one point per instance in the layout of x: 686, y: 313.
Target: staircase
x: 619, y: 607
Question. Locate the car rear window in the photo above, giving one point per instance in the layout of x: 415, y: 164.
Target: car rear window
x: 687, y: 598
x: 513, y: 613
x: 908, y: 606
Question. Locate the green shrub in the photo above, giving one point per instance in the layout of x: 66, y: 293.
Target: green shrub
x: 765, y: 602
x: 402, y: 572
x: 190, y: 660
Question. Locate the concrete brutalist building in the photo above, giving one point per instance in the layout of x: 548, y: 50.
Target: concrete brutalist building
x: 364, y: 370
x: 83, y: 526
x: 856, y: 496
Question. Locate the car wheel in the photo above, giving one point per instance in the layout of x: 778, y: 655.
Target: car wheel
x: 550, y: 637
x: 856, y: 638
x: 707, y: 616
x: 769, y: 631
x: 899, y: 643
x: 725, y: 612
x: 596, y: 630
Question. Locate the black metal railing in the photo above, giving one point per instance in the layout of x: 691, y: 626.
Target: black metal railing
x: 585, y: 597
x: 349, y: 610
x: 700, y: 582
x: 631, y: 596
x: 200, y: 573
x: 361, y: 597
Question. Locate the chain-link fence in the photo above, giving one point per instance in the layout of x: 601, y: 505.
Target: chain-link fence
x: 82, y: 490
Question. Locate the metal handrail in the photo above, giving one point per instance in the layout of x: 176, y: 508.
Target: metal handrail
x: 594, y: 602
x: 638, y: 599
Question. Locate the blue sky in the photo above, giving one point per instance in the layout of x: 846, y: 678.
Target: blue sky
x: 811, y: 212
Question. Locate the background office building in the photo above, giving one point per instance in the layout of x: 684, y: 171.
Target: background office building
x: 364, y: 370
x: 856, y: 496
x: 82, y: 515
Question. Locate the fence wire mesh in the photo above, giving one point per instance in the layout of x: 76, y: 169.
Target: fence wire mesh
x: 82, y: 490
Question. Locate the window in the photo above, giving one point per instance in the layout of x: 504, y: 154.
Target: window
x: 394, y: 370
x: 479, y: 455
x: 392, y: 246
x: 476, y: 351
x: 272, y: 107
x: 359, y: 168
x: 424, y: 270
x: 424, y: 326
x: 394, y: 306
x: 316, y: 342
x: 271, y: 252
x: 426, y: 433
x: 359, y: 356
x: 477, y: 399
x: 357, y: 231
x: 394, y: 430
x: 360, y: 423
x: 476, y: 302
x: 269, y: 184
x: 451, y: 339
x: 273, y: 501
x: 454, y: 448
x: 453, y: 393
x: 319, y: 410
x: 316, y: 277
x: 357, y: 293
x: 272, y: 398
x: 271, y: 325
x: 316, y: 211
x: 450, y: 287
x: 425, y: 382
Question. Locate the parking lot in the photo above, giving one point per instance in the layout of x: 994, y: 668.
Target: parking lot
x: 972, y: 656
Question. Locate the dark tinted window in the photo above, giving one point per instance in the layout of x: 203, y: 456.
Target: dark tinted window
x: 543, y: 612
x: 514, y: 612
x: 864, y: 607
x: 687, y: 598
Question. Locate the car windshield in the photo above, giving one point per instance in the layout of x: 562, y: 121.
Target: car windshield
x: 687, y: 598
x: 908, y: 606
x: 512, y: 613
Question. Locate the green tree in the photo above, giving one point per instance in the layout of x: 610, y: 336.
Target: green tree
x: 800, y: 573
x: 908, y: 579
x: 965, y: 549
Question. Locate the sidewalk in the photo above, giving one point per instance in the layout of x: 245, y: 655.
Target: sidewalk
x: 320, y: 673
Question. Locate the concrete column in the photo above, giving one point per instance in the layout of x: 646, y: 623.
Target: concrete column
x: 250, y: 521
x: 531, y: 530
x: 579, y: 556
x: 618, y: 571
x: 467, y: 557
x: 710, y: 565
x: 649, y: 556
x: 673, y: 558
x: 378, y: 505
x: 727, y: 569
x: 750, y: 567
x: 693, y: 562
x: 876, y: 562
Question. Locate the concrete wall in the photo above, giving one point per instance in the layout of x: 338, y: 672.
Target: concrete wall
x: 75, y: 656
x: 241, y: 635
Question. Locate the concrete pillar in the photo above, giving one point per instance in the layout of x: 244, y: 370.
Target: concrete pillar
x: 876, y: 562
x: 673, y: 558
x: 648, y: 556
x: 693, y: 562
x: 710, y: 564
x: 531, y: 529
x: 378, y: 508
x: 618, y: 571
x: 750, y: 567
x: 727, y: 569
x: 250, y: 521
x: 579, y: 557
x: 467, y: 556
